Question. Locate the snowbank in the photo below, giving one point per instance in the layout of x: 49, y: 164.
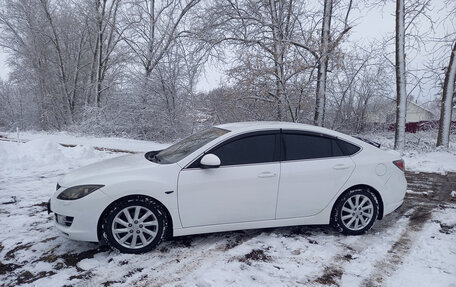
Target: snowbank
x: 438, y: 162
x: 107, y: 142
x: 420, y: 153
x: 36, y: 155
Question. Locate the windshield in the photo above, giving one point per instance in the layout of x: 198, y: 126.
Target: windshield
x: 183, y: 148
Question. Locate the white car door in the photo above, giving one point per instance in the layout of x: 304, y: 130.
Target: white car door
x: 314, y: 169
x: 244, y: 188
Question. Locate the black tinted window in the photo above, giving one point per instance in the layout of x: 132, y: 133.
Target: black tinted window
x: 300, y: 146
x: 336, y: 149
x: 252, y: 149
x: 348, y: 148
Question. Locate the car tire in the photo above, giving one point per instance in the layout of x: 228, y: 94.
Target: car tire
x: 135, y: 225
x: 355, y: 212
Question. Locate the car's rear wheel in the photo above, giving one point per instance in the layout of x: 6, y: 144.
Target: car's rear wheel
x: 355, y: 212
x: 135, y: 225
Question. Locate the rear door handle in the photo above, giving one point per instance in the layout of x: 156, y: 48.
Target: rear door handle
x: 266, y: 174
x: 341, y: 166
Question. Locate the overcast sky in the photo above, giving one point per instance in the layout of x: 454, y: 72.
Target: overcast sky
x: 371, y: 24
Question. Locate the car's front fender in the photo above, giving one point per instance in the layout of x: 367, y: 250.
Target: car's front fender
x: 163, y: 189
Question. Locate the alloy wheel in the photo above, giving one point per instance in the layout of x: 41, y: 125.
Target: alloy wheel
x: 134, y: 227
x: 357, y: 212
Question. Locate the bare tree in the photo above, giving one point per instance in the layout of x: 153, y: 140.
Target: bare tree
x: 449, y: 83
x: 401, y: 93
x: 448, y: 95
x: 153, y: 27
x: 33, y: 34
x: 323, y: 64
x: 254, y: 28
x: 63, y: 77
x: 358, y: 85
x: 407, y: 35
x: 327, y: 46
x: 131, y: 67
x: 106, y: 41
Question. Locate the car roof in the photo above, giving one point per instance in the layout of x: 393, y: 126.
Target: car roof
x: 241, y: 127
x: 267, y: 125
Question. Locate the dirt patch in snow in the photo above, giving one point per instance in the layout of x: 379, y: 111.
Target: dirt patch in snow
x: 255, y: 255
x: 72, y: 259
x: 27, y: 277
x: 12, y: 253
x: 6, y: 268
x: 330, y: 277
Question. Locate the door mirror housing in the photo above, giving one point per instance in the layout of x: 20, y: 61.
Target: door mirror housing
x: 210, y: 161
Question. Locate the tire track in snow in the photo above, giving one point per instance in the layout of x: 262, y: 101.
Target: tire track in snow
x: 395, y: 255
x: 433, y: 190
x: 182, y: 261
x: 436, y: 190
x: 356, y: 252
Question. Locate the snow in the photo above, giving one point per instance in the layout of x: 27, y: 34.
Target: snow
x: 420, y: 153
x: 439, y: 162
x: 289, y: 256
x: 423, y: 266
x: 108, y: 142
x: 420, y: 192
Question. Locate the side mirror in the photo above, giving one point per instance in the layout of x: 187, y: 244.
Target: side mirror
x: 210, y: 161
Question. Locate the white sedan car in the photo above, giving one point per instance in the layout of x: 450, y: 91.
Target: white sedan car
x: 230, y: 177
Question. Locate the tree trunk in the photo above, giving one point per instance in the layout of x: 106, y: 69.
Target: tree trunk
x: 401, y: 101
x: 63, y: 76
x: 151, y: 40
x: 446, y: 109
x: 101, y: 8
x: 323, y: 65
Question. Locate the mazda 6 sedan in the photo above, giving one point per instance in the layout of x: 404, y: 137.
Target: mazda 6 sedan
x: 231, y: 177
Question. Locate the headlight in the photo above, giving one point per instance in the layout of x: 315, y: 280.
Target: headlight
x: 78, y: 191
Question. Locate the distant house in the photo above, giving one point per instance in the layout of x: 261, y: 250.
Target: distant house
x: 386, y: 113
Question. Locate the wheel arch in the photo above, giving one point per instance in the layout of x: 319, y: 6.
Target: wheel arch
x: 131, y: 197
x: 368, y: 187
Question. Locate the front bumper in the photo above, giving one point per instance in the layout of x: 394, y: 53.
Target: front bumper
x: 84, y: 213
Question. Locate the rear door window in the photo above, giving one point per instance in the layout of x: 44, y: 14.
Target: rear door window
x: 348, y: 148
x: 309, y: 146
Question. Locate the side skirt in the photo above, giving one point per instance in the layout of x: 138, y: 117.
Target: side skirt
x: 319, y: 219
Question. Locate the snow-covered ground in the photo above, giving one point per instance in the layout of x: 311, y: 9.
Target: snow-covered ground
x: 413, y: 246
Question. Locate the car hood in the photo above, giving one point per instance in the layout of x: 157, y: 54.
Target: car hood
x: 96, y: 172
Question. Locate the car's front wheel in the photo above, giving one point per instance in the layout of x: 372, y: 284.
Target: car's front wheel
x: 355, y: 212
x: 135, y: 225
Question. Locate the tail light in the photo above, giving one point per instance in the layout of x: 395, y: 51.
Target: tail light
x: 400, y: 164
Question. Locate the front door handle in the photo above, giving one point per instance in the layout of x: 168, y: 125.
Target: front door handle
x: 341, y: 166
x: 266, y: 174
